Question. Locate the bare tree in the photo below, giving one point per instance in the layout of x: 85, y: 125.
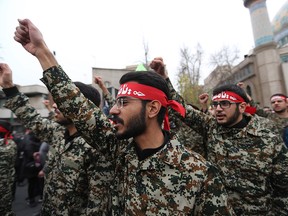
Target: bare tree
x: 189, y: 73
x: 223, y: 61
x: 190, y: 63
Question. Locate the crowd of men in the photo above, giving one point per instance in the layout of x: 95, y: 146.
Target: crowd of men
x: 133, y: 162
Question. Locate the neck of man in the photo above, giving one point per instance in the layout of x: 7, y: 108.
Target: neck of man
x: 152, y: 138
x: 283, y: 113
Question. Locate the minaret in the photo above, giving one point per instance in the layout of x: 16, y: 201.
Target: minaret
x: 267, y: 57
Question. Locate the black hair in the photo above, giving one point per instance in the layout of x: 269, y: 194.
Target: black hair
x: 278, y: 94
x: 89, y: 92
x: 149, y: 78
x: 233, y: 88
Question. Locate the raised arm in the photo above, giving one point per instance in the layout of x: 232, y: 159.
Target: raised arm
x: 19, y: 104
x: 195, y: 119
x: 94, y: 126
x: 107, y: 96
x: 29, y: 36
x: 203, y: 100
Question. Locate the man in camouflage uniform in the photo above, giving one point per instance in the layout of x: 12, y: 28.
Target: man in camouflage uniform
x: 154, y: 175
x: 74, y: 184
x: 279, y: 116
x: 8, y: 151
x: 251, y: 158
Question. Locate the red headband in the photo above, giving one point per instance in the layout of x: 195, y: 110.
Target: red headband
x: 277, y: 97
x: 251, y: 110
x: 7, y: 134
x: 145, y: 92
x: 228, y: 95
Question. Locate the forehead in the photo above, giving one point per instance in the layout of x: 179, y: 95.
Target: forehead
x: 278, y: 98
x: 125, y: 97
x: 222, y: 101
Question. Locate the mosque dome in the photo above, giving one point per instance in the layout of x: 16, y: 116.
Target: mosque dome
x: 280, y: 26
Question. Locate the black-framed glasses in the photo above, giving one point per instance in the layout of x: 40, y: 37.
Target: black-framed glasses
x: 121, y: 102
x: 225, y: 104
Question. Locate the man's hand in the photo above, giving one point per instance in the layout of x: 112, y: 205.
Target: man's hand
x: 98, y: 80
x: 242, y: 85
x: 41, y: 174
x: 5, y: 76
x: 29, y: 36
x: 158, y: 66
x: 203, y: 98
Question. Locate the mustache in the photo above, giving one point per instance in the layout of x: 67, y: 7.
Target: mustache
x: 116, y: 119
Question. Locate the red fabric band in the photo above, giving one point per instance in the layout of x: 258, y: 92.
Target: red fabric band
x: 278, y: 97
x: 228, y: 95
x: 144, y: 92
x: 7, y: 134
x: 250, y: 110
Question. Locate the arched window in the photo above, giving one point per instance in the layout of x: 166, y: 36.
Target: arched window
x: 249, y: 91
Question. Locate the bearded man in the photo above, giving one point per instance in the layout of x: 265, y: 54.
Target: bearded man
x: 252, y: 159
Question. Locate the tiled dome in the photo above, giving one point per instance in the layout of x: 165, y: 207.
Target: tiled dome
x: 280, y: 25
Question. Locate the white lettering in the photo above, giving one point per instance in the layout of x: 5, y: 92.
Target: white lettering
x: 140, y: 94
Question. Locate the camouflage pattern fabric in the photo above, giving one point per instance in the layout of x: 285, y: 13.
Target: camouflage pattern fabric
x: 187, y: 137
x: 174, y: 181
x: 109, y: 99
x: 277, y: 123
x: 76, y: 181
x: 252, y: 161
x: 7, y: 172
x: 281, y: 124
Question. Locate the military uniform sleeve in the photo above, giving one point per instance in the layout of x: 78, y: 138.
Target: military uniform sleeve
x: 109, y: 99
x: 89, y: 120
x: 41, y: 127
x: 195, y: 119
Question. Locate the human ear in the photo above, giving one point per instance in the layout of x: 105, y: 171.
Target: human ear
x: 153, y: 108
x: 242, y: 107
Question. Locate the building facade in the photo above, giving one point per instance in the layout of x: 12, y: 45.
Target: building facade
x: 36, y: 94
x: 265, y: 69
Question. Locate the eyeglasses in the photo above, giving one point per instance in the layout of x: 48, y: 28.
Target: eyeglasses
x: 225, y: 104
x: 123, y: 101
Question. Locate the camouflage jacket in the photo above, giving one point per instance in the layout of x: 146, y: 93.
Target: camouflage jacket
x: 8, y: 153
x: 252, y: 161
x: 74, y: 184
x: 173, y: 181
x: 281, y: 124
x: 186, y: 136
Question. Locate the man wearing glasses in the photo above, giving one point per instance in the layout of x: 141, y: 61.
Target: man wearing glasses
x: 153, y: 175
x: 251, y: 158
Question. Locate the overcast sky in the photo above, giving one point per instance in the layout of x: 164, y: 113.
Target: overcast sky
x: 111, y: 33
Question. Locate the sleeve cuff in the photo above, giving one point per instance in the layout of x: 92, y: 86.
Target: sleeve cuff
x: 10, y: 92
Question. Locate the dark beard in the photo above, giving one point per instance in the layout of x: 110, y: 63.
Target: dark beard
x: 65, y: 122
x: 136, y: 125
x: 233, y: 118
